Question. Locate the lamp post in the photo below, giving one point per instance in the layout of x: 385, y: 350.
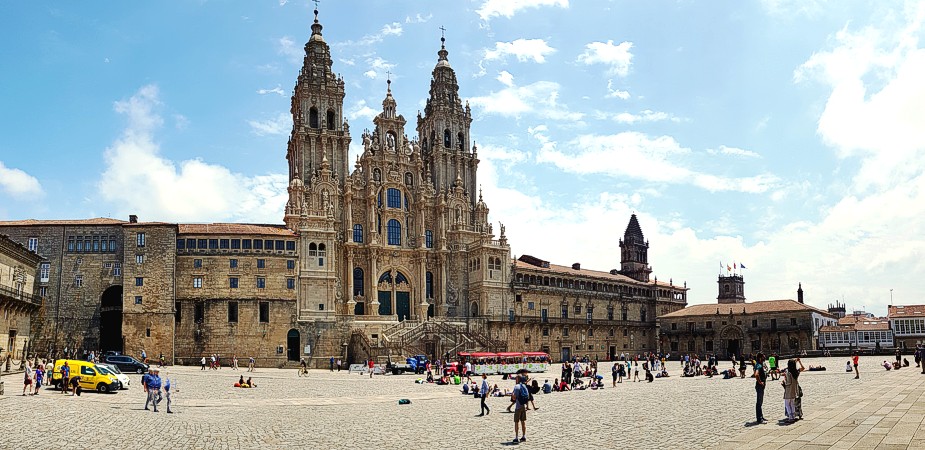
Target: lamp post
x: 891, y: 296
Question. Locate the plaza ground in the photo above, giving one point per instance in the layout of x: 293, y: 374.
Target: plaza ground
x: 881, y: 410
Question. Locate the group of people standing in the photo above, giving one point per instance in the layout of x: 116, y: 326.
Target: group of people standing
x: 790, y: 380
x: 151, y: 383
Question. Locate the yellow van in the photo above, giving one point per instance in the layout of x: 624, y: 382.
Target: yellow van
x: 90, y: 376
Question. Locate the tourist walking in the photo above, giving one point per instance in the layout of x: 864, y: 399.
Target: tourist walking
x: 854, y: 360
x: 483, y: 393
x: 302, y: 369
x: 65, y: 376
x: 144, y: 356
x: 202, y: 362
x: 520, y: 396
x: 371, y: 365
x: 761, y: 378
x: 791, y: 385
x: 234, y: 362
x: 167, y: 391
x: 250, y: 364
x: 39, y: 376
x: 27, y: 379
x: 614, y: 371
x: 154, y: 389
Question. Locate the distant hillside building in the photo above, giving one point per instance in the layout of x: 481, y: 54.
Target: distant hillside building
x: 734, y: 327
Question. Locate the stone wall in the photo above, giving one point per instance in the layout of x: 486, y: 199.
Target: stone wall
x: 148, y: 308
x: 70, y: 316
x: 711, y: 334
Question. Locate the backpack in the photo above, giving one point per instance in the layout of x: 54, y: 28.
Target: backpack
x: 523, y: 395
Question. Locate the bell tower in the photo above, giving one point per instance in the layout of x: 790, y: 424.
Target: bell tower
x: 731, y: 289
x: 634, y: 252
x: 319, y: 130
x: 443, y: 131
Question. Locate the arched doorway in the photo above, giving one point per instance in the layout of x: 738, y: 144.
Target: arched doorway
x: 293, y: 342
x: 474, y: 309
x: 111, y: 319
x: 733, y: 337
x: 401, y: 287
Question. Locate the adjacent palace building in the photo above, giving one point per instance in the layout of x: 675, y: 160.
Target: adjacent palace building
x: 392, y: 256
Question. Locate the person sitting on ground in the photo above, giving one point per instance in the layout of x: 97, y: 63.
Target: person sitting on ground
x: 240, y: 382
x: 250, y: 383
x: 848, y: 366
x: 547, y: 388
x: 444, y: 380
x: 465, y: 388
x: 496, y: 391
x: 728, y: 373
x: 649, y: 376
x: 563, y: 386
x: 896, y: 365
x: 905, y: 362
x: 665, y: 372
x: 430, y: 377
x: 886, y: 365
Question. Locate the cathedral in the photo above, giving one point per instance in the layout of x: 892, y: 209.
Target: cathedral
x: 393, y: 256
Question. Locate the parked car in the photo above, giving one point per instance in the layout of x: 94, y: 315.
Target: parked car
x: 124, y: 381
x: 126, y: 363
x: 91, y: 377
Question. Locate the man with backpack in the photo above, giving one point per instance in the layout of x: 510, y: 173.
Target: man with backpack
x: 520, y: 396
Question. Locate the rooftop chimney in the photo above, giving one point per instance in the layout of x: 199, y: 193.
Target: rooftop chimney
x: 132, y: 219
x: 800, y: 293
x: 576, y: 266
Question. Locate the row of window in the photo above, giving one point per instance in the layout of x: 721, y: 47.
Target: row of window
x: 908, y: 326
x: 233, y: 263
x: 587, y: 286
x: 852, y: 337
x: 234, y: 282
x: 610, y: 333
x: 313, y: 119
x: 199, y: 312
x: 393, y: 229
x: 235, y: 244
x: 589, y: 313
x: 90, y: 244
x: 447, y: 140
x: 709, y: 324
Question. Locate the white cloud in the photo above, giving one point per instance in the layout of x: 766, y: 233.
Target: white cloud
x: 522, y: 49
x: 507, y: 8
x: 418, y: 18
x: 360, y: 110
x: 391, y: 29
x: 370, y: 74
x: 506, y: 78
x: 617, y: 57
x: 138, y: 180
x: 18, y: 184
x: 635, y: 155
x: 277, y: 90
x: 616, y: 93
x: 180, y: 121
x: 287, y: 47
x: 646, y: 115
x: 724, y: 150
x: 378, y: 67
x: 281, y: 124
x: 539, y: 98
x: 283, y: 2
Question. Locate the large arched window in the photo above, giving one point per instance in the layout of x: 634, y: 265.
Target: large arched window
x: 394, y: 232
x: 312, y: 249
x: 358, y: 282
x: 429, y: 239
x: 393, y: 198
x: 400, y: 278
x: 446, y: 138
x: 357, y: 233
x: 313, y: 117
x: 331, y: 118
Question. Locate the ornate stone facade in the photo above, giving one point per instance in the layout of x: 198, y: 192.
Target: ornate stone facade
x: 18, y: 275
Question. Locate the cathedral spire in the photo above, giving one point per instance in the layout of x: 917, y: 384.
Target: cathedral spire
x: 441, y: 55
x: 316, y: 27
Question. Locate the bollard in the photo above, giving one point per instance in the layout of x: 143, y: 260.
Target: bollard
x: 1, y: 388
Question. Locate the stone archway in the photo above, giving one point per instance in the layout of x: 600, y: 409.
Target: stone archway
x: 733, y: 337
x: 111, y: 319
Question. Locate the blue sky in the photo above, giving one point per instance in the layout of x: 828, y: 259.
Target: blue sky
x: 788, y: 135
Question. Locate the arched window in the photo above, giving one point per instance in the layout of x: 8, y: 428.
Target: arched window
x: 386, y: 277
x: 393, y: 197
x: 331, y: 119
x: 394, y: 232
x: 400, y: 278
x: 446, y: 138
x: 312, y: 249
x: 429, y: 239
x: 460, y: 141
x: 429, y: 287
x: 357, y: 282
x: 321, y: 250
x: 357, y: 233
x: 313, y: 118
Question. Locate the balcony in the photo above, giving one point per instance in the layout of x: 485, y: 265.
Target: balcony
x: 8, y: 294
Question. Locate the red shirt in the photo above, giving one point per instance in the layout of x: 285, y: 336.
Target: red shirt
x: 370, y: 364
x: 855, y: 359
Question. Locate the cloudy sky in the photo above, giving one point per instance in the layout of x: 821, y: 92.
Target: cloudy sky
x: 786, y: 135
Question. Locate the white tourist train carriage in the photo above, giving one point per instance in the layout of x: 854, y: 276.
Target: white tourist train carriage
x: 506, y: 362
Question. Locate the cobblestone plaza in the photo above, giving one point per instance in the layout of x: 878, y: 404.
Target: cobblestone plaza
x: 342, y: 410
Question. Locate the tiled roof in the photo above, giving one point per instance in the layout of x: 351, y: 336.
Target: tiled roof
x: 902, y: 311
x: 764, y: 306
x: 863, y: 324
x: 565, y: 271
x: 94, y: 221
x: 234, y: 228
x: 836, y: 328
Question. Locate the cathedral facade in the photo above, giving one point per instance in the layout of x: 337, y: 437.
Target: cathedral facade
x: 392, y: 256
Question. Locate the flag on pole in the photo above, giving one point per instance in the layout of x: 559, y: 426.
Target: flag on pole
x: 734, y: 265
x: 742, y: 266
x: 728, y: 269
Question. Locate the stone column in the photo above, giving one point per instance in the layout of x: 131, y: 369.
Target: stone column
x: 373, y: 285
x: 349, y: 294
